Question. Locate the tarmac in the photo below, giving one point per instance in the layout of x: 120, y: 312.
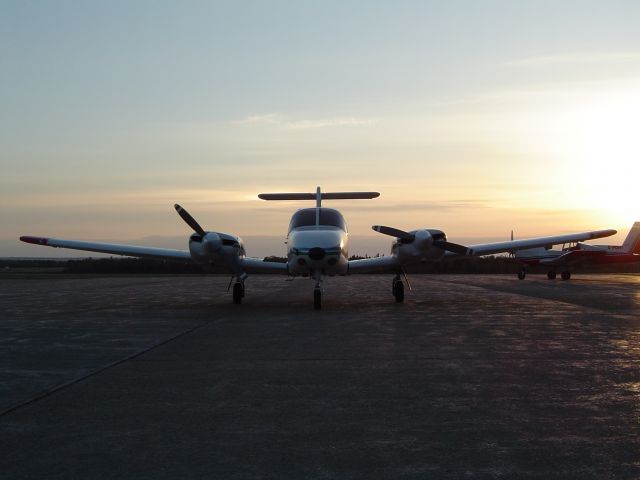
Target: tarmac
x: 471, y: 377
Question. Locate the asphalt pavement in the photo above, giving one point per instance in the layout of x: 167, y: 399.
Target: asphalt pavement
x: 471, y: 377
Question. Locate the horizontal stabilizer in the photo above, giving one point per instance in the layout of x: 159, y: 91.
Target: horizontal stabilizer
x: 323, y: 196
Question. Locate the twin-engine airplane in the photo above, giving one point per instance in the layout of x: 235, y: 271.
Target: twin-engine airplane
x: 317, y: 243
x: 581, y: 254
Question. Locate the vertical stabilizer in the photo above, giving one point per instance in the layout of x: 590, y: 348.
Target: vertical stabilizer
x: 632, y: 242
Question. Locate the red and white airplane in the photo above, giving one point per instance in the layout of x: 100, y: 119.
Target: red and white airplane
x: 317, y: 243
x: 579, y: 254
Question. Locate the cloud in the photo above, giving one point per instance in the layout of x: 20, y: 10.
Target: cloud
x: 264, y: 119
x: 576, y: 58
x: 282, y: 121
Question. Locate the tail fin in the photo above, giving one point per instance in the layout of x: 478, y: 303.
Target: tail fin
x: 318, y: 196
x: 632, y: 242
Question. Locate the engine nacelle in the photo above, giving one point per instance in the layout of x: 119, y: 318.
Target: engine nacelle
x: 213, y: 246
x: 421, y: 248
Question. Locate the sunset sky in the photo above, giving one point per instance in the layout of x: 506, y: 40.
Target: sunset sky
x: 473, y: 117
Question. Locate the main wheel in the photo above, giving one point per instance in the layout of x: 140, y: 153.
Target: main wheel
x: 565, y: 275
x: 238, y: 293
x: 317, y: 299
x: 522, y: 274
x: 398, y: 291
x: 551, y: 275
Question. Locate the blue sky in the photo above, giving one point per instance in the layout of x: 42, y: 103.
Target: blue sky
x: 473, y: 117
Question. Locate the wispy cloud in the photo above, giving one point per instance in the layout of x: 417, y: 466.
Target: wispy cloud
x: 576, y: 58
x: 283, y: 121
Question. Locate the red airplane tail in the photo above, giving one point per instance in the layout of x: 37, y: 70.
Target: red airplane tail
x: 632, y: 242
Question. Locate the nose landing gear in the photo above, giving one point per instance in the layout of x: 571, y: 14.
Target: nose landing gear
x: 317, y: 291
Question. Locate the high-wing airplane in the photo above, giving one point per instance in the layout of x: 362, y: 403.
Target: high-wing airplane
x: 317, y: 243
x: 581, y: 253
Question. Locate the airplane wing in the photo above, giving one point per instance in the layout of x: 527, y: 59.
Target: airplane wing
x: 374, y: 265
x: 113, y: 248
x: 510, y: 246
x: 256, y: 265
x: 249, y: 265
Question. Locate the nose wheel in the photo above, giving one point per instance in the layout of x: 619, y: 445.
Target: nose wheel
x: 317, y: 298
x: 317, y: 291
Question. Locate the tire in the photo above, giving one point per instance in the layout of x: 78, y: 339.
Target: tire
x: 551, y: 275
x: 317, y: 299
x: 238, y: 293
x: 398, y: 291
x: 565, y: 275
x: 521, y: 275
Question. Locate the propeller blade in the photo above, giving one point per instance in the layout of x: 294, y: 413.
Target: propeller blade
x: 453, y: 247
x: 189, y: 220
x: 394, y: 232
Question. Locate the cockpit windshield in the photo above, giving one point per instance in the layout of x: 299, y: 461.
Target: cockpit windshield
x: 307, y: 218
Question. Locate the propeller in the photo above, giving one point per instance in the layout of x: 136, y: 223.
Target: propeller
x: 453, y: 247
x: 407, y: 237
x: 189, y: 220
x: 394, y: 232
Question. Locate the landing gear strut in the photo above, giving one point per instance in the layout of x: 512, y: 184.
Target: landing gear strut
x: 317, y: 291
x: 238, y: 292
x: 397, y: 289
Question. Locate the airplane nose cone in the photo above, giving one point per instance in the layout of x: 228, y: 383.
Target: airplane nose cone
x: 316, y: 253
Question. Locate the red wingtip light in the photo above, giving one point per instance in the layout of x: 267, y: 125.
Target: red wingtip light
x: 34, y: 240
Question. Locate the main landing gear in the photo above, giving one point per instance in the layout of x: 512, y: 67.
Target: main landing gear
x: 522, y: 274
x: 397, y: 288
x: 566, y: 275
x: 238, y: 292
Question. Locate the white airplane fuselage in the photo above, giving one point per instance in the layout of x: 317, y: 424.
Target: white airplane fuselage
x: 318, y: 243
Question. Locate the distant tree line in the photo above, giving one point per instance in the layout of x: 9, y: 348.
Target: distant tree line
x: 127, y: 265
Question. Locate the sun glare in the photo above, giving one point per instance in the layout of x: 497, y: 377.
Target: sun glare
x: 598, y: 151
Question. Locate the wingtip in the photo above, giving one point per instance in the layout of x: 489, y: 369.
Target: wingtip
x: 34, y: 240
